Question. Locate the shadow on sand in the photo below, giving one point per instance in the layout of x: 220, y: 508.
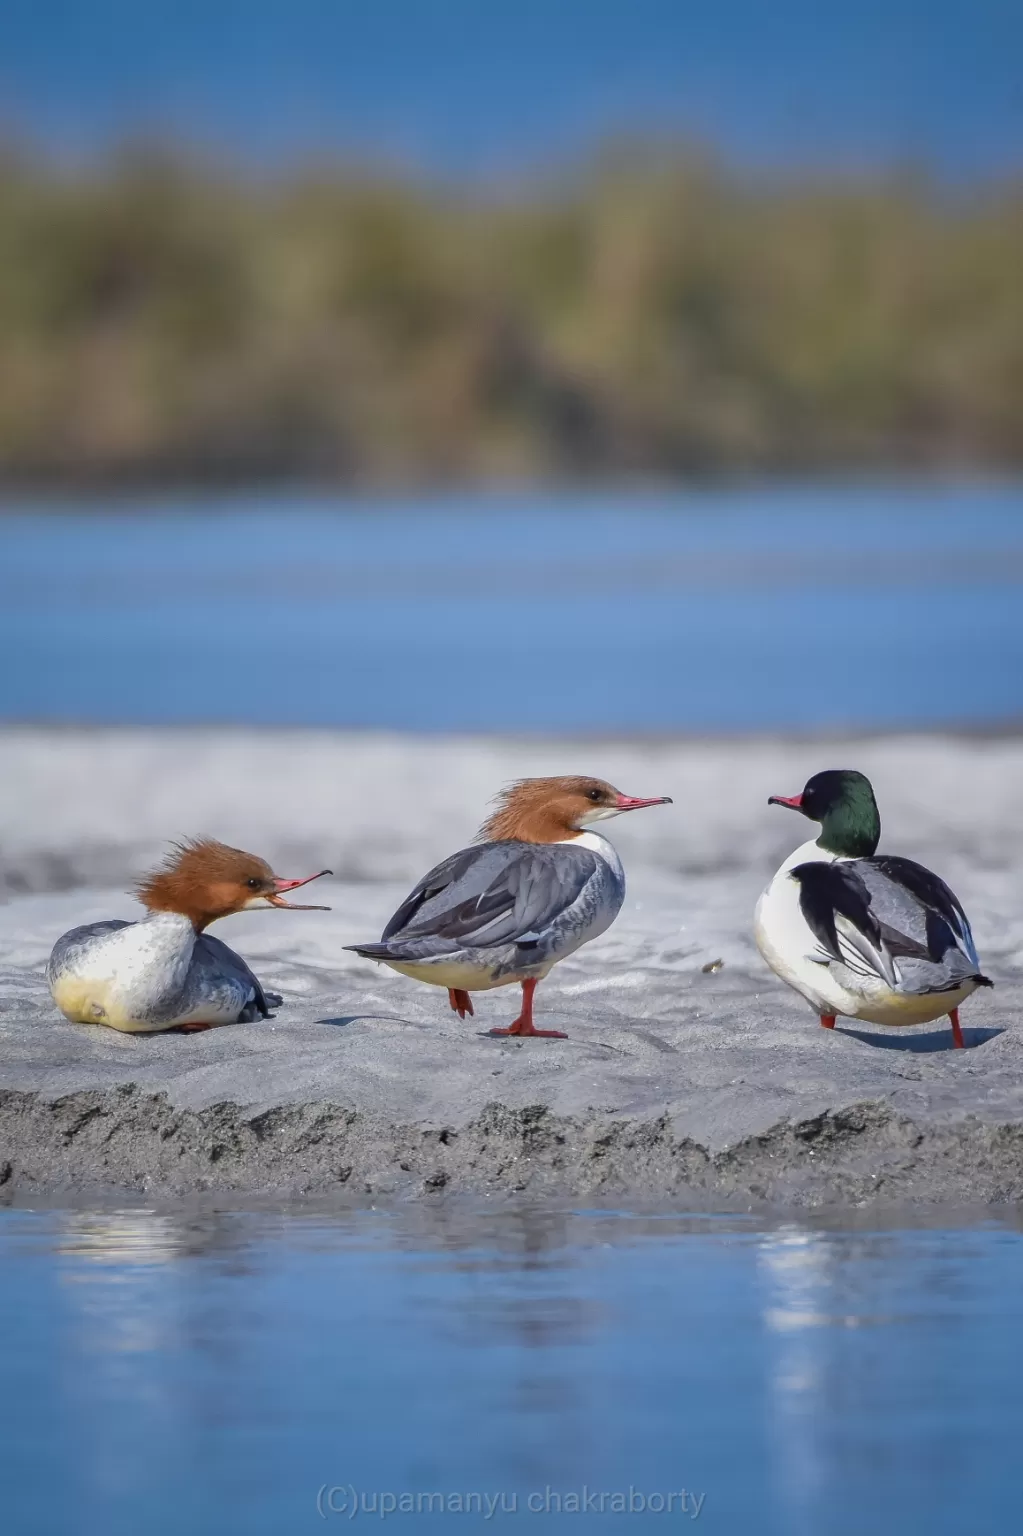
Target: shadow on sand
x: 936, y: 1040
x: 345, y: 1019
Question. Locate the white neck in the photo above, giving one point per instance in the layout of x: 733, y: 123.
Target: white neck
x: 600, y: 846
x: 807, y: 853
x: 169, y: 939
x: 169, y: 931
x: 172, y: 922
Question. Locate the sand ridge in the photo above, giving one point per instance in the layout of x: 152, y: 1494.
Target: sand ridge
x: 677, y: 1082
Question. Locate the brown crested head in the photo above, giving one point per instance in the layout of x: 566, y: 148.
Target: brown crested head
x: 202, y: 880
x: 557, y: 809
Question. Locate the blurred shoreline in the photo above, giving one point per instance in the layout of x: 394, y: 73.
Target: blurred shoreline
x: 56, y: 497
x: 652, y: 315
x: 999, y: 730
x: 94, y: 806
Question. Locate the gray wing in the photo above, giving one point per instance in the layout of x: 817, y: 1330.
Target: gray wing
x: 922, y: 924
x: 213, y: 954
x: 891, y: 918
x: 927, y: 893
x: 70, y: 945
x: 486, y: 896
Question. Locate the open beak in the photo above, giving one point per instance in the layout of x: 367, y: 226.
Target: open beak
x: 630, y: 803
x: 794, y: 802
x: 277, y: 900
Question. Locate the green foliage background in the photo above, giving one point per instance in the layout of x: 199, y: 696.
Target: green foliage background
x: 652, y: 313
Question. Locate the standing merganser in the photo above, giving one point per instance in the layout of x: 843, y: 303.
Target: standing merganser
x: 165, y: 971
x: 871, y: 936
x: 531, y: 891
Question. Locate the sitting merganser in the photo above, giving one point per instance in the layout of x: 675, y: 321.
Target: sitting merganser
x: 531, y: 891
x: 165, y: 971
x: 871, y: 936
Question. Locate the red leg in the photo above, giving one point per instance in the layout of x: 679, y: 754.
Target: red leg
x: 524, y: 1023
x: 192, y: 1029
x: 958, y: 1043
x: 828, y: 1020
x: 460, y: 1001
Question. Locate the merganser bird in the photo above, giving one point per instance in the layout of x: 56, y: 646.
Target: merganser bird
x: 531, y: 891
x: 868, y: 935
x: 165, y: 971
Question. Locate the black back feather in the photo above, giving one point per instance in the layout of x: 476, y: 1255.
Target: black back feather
x: 827, y: 891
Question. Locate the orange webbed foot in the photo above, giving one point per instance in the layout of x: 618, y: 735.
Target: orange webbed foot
x: 520, y: 1030
x: 524, y: 1023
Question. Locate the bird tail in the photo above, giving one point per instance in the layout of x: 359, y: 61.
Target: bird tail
x: 415, y: 948
x: 379, y: 951
x: 983, y: 981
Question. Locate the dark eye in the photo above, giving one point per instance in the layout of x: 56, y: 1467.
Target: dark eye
x: 253, y: 884
x: 594, y: 794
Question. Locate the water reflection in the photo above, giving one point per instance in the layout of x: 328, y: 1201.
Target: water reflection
x: 216, y: 1368
x: 796, y: 1272
x: 119, y: 1238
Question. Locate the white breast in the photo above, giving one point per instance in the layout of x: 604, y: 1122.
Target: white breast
x: 786, y: 941
x: 123, y: 977
x: 600, y: 846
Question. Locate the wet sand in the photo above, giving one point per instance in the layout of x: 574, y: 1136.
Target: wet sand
x: 677, y: 1083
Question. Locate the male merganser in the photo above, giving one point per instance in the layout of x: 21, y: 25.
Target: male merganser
x: 531, y: 891
x: 871, y: 936
x: 165, y: 971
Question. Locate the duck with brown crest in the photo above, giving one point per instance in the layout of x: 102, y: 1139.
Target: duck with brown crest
x: 870, y: 936
x: 536, y: 887
x: 165, y: 971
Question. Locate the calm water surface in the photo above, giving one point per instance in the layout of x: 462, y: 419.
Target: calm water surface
x: 217, y: 1373
x: 771, y: 608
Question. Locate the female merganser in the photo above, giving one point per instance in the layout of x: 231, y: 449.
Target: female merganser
x: 867, y: 935
x: 165, y: 971
x: 531, y: 891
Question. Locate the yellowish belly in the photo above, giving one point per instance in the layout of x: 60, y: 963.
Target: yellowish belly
x: 465, y: 978
x: 896, y: 1008
x: 91, y: 1002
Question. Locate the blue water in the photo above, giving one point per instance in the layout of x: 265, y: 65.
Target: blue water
x: 786, y: 607
x: 222, y: 1372
x: 467, y: 86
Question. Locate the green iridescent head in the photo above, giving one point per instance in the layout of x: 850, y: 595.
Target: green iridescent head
x: 842, y: 800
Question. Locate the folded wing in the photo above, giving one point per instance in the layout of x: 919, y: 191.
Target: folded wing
x: 487, y: 896
x: 891, y: 918
x: 213, y: 955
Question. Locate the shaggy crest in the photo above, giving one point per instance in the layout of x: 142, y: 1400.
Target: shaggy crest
x: 548, y: 810
x: 203, y: 879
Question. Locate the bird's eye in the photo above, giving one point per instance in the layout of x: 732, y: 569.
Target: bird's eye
x: 594, y: 794
x: 253, y: 884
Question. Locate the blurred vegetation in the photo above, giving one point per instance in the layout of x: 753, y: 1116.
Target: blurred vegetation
x: 651, y: 314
